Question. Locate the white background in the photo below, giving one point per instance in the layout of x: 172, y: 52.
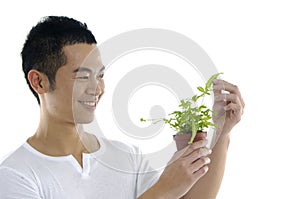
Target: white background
x: 256, y: 43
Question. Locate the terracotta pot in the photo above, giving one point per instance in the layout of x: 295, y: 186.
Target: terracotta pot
x: 183, y: 139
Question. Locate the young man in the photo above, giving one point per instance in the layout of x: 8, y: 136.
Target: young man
x: 63, y: 69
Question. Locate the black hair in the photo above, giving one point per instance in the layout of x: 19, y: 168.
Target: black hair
x: 43, y: 48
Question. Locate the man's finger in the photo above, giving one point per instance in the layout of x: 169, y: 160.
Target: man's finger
x: 194, y: 146
x: 200, y: 163
x: 195, y: 155
x: 227, y: 97
x: 220, y: 85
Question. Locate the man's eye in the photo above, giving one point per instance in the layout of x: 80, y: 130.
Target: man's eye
x: 100, y: 76
x: 82, y: 77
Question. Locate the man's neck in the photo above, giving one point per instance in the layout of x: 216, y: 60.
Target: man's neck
x: 60, y: 138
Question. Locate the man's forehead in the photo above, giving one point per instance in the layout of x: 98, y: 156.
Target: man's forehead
x: 87, y: 55
x: 93, y: 58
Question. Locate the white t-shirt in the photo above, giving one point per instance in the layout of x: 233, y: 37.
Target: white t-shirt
x: 114, y: 171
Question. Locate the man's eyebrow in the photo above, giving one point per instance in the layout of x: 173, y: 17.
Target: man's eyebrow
x: 85, y: 69
x: 82, y: 69
x: 103, y: 68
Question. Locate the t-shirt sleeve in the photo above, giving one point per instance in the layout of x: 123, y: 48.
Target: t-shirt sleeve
x: 14, y: 185
x: 146, y: 176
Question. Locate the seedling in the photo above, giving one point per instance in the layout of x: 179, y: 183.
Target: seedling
x: 194, y: 115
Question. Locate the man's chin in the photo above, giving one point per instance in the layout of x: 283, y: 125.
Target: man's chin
x: 85, y: 120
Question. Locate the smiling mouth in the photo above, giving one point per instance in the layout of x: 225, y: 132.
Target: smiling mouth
x: 89, y: 104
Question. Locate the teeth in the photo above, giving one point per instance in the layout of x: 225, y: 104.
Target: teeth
x: 89, y: 103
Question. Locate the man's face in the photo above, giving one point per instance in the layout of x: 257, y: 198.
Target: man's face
x: 78, y: 85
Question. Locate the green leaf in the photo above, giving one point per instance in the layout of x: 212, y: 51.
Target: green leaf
x: 195, y: 98
x: 211, y: 79
x: 201, y: 89
x: 194, y: 131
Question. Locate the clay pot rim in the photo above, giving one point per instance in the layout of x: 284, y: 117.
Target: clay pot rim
x: 181, y: 140
x: 189, y: 134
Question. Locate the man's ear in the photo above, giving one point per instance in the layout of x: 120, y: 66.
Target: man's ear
x: 38, y: 81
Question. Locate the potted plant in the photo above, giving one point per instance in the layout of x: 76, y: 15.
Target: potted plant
x: 193, y: 119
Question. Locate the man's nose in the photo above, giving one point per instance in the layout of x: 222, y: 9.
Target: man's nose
x: 96, y: 87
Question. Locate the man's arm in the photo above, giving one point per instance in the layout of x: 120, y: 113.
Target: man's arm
x: 208, y: 186
x: 15, y: 185
x: 230, y: 107
x: 185, y: 168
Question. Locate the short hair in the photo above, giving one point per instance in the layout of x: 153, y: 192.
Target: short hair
x: 43, y: 48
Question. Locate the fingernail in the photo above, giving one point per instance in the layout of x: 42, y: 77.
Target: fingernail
x: 207, y: 160
x: 210, y: 151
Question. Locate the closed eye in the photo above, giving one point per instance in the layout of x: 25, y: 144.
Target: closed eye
x: 82, y: 77
x: 100, y: 76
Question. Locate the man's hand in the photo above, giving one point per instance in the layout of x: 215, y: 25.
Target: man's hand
x: 229, y: 105
x: 185, y: 168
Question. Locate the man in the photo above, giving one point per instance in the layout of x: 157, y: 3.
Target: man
x: 63, y: 69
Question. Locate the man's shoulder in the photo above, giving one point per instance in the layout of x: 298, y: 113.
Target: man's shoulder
x: 17, y: 159
x: 16, y: 178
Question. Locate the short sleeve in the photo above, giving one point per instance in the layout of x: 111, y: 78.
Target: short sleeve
x: 146, y: 176
x: 14, y: 185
